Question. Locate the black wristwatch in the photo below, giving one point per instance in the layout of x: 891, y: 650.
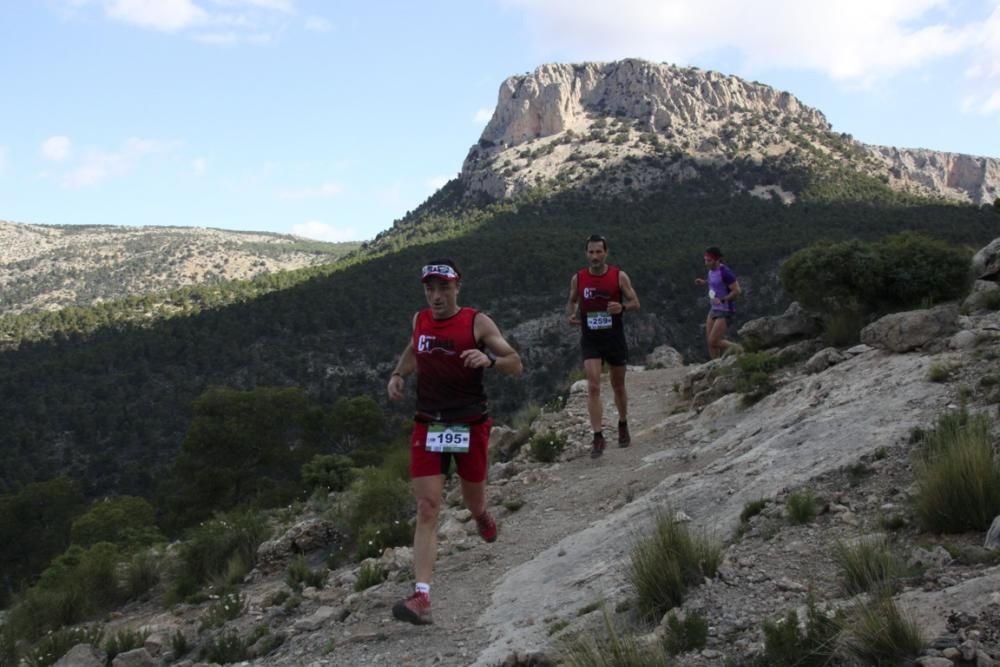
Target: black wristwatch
x: 492, y: 357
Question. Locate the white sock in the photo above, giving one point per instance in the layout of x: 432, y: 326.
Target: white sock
x: 423, y: 588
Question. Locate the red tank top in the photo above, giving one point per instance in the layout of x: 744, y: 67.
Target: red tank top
x: 446, y: 389
x: 595, y: 292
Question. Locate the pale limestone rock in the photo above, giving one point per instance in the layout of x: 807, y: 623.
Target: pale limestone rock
x: 664, y: 356
x: 135, y: 658
x: 793, y: 324
x: 986, y: 262
x: 902, y: 332
x: 992, y: 540
x: 82, y: 655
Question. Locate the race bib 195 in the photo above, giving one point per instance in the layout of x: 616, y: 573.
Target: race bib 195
x: 447, y: 438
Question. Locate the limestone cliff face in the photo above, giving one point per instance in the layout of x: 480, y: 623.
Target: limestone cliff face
x: 952, y: 175
x: 566, y: 124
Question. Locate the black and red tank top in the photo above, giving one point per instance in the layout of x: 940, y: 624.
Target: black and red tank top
x: 446, y: 389
x: 594, y: 294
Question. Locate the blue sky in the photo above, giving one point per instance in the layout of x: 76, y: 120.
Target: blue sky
x: 332, y: 119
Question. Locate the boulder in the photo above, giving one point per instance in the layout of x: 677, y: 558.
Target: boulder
x: 823, y: 359
x: 986, y: 262
x: 902, y: 332
x: 794, y: 324
x: 135, y: 658
x: 993, y: 535
x: 307, y: 536
x: 82, y: 655
x: 664, y: 356
x: 981, y: 292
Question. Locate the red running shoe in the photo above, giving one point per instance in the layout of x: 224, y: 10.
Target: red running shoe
x: 487, y: 526
x: 415, y: 609
x: 597, y: 448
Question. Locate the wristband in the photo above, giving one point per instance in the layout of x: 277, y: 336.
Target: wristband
x: 399, y: 374
x: 492, y: 357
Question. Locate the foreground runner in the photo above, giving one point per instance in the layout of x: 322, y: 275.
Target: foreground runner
x: 722, y: 290
x: 450, y: 348
x: 596, y: 292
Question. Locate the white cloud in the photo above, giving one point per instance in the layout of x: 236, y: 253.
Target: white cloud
x: 217, y: 22
x: 318, y: 24
x: 98, y: 166
x: 56, y: 149
x: 482, y: 116
x: 435, y: 183
x: 199, y: 166
x: 324, y: 190
x: 321, y: 231
x: 856, y: 41
x: 983, y: 74
x: 165, y: 15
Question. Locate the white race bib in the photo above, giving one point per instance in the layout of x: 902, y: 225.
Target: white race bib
x: 447, y: 438
x: 598, y: 320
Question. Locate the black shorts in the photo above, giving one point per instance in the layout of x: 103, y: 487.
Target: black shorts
x: 612, y: 349
x: 721, y: 315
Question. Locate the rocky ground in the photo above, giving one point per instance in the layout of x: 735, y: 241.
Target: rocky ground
x: 567, y: 529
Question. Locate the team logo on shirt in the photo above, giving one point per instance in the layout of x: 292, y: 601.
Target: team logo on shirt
x: 431, y: 344
x: 595, y: 293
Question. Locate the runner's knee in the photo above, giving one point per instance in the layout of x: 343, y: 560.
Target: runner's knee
x: 428, y: 509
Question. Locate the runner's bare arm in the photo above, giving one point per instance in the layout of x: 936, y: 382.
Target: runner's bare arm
x: 571, y: 304
x: 407, y: 364
x: 508, y: 361
x: 734, y: 291
x: 631, y: 300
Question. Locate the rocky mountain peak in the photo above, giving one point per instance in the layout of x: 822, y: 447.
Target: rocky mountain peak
x: 567, y: 125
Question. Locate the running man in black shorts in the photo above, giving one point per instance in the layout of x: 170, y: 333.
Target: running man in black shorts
x: 598, y: 295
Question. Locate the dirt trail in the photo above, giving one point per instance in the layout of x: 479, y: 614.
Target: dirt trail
x: 569, y: 497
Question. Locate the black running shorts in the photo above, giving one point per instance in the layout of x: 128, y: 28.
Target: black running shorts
x: 612, y: 349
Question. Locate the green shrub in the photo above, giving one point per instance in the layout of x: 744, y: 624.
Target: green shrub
x: 223, y: 549
x: 378, y: 498
x: 546, y: 447
x: 666, y: 563
x: 55, y: 645
x: 868, y: 565
x: 958, y: 476
x: 376, y: 538
x: 227, y: 608
x: 124, y: 641
x: 786, y: 645
x: 370, y: 574
x: 300, y: 575
x: 858, y: 279
x: 753, y: 378
x: 940, y: 372
x: 142, y: 574
x: 689, y: 634
x: 880, y: 634
x: 226, y: 648
x: 379, y: 509
x: 801, y: 507
x: 611, y: 650
x: 330, y: 472
x: 179, y: 645
x: 752, y: 509
x: 125, y: 521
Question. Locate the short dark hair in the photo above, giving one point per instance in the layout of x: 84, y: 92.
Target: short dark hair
x: 596, y: 238
x: 714, y: 251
